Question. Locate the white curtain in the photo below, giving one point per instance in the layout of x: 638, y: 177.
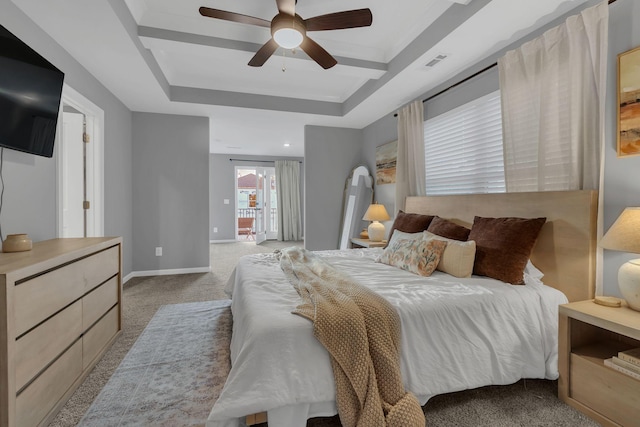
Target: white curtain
x: 288, y: 188
x: 553, y: 94
x: 410, y: 176
x: 553, y: 104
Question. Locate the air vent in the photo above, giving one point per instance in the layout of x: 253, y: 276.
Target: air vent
x: 435, y: 60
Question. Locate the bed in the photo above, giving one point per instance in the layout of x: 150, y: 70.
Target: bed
x: 457, y: 333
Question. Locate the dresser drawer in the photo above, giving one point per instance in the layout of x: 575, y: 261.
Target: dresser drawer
x: 619, y: 395
x: 46, y: 342
x: 41, y: 396
x: 40, y: 297
x: 96, y: 338
x: 98, y: 302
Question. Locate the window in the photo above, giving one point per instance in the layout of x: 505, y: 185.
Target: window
x: 463, y: 149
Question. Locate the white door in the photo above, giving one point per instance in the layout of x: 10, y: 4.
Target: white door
x: 271, y: 195
x: 261, y: 208
x: 266, y: 205
x: 80, y: 169
x: 73, y: 181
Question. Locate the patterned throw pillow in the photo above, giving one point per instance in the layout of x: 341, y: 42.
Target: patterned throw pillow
x: 418, y: 256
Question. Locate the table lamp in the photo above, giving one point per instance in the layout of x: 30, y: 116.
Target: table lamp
x: 375, y: 213
x: 624, y: 235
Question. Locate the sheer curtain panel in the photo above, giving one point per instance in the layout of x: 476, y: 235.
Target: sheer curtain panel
x: 553, y: 105
x: 553, y: 94
x: 288, y: 187
x: 410, y: 177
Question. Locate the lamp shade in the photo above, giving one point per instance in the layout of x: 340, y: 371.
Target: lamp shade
x: 376, y: 212
x: 624, y: 234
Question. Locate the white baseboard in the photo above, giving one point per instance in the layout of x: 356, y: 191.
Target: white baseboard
x: 165, y: 272
x: 128, y: 277
x: 223, y: 241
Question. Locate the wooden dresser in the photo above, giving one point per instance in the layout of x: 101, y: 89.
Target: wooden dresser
x: 60, y: 309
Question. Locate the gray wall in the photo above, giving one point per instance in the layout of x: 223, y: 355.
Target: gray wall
x: 29, y: 204
x: 170, y: 191
x: 386, y: 128
x: 222, y: 185
x: 331, y: 154
x: 376, y: 134
x: 622, y: 176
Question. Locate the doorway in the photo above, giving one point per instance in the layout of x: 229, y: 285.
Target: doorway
x: 80, y: 176
x: 257, y: 198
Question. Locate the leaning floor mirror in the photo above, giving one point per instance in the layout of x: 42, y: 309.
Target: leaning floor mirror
x: 358, y: 195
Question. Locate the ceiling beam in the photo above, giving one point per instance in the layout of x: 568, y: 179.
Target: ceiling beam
x: 153, y: 33
x: 250, y: 100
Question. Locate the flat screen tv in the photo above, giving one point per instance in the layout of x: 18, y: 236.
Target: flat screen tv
x: 30, y: 91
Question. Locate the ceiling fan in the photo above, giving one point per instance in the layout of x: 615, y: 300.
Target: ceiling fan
x: 289, y: 30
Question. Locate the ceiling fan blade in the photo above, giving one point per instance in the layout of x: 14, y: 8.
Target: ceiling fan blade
x: 317, y: 53
x: 233, y: 17
x: 287, y: 6
x: 263, y: 53
x: 340, y: 20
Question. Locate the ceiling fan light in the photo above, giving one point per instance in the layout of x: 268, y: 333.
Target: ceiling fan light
x: 288, y: 38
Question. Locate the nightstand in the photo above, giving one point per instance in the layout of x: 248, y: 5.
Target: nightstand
x: 366, y: 243
x: 588, y: 334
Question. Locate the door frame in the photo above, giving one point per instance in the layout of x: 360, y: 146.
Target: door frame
x: 267, y: 233
x: 94, y: 116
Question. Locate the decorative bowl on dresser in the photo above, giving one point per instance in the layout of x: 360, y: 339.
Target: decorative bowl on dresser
x: 60, y: 310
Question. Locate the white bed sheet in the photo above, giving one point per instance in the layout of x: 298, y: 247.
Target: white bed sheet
x: 457, y: 334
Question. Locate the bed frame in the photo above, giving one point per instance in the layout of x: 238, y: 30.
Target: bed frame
x: 566, y: 247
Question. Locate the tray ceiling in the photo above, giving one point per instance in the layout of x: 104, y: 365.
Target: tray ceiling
x: 162, y: 56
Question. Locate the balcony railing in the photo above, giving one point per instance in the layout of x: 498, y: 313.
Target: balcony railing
x: 251, y: 213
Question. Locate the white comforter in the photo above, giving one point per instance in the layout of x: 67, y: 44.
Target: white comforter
x: 456, y: 334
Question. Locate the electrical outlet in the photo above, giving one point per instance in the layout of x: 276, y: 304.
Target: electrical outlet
x: 159, y: 251
x: 215, y: 229
x: 226, y: 201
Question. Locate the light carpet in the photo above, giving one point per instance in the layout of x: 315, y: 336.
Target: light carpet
x: 526, y: 403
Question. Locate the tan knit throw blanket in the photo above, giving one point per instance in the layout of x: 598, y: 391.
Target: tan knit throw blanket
x: 361, y: 332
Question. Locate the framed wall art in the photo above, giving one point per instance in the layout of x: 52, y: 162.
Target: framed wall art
x: 386, y: 157
x: 629, y: 103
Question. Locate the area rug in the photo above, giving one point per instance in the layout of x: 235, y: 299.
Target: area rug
x: 174, y: 372
x: 176, y: 369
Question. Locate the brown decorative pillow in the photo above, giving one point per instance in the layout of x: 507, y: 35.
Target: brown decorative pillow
x: 445, y: 228
x: 410, y: 223
x: 503, y: 246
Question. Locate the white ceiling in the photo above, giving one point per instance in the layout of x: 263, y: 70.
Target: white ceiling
x: 162, y: 56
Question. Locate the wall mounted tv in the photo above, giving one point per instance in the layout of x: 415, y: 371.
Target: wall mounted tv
x: 30, y: 91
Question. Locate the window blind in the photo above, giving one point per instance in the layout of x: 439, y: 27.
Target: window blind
x: 538, y: 130
x: 463, y: 149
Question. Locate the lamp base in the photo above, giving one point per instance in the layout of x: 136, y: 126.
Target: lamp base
x: 376, y: 231
x: 629, y: 283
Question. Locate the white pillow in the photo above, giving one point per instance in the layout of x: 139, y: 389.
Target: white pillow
x: 458, y: 257
x: 532, y: 271
x: 401, y: 235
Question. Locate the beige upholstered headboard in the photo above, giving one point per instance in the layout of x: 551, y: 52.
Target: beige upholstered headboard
x: 566, y: 247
